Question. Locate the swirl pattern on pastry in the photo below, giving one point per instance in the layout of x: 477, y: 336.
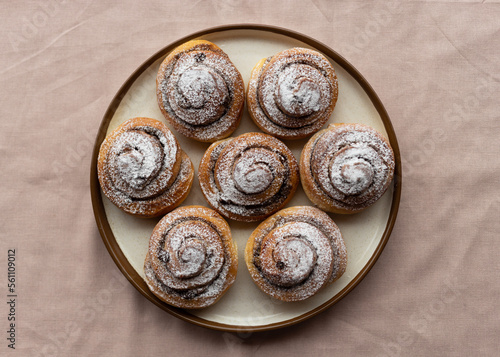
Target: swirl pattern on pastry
x: 192, y: 259
x: 142, y: 169
x: 200, y: 92
x: 296, y: 252
x: 249, y: 177
x: 293, y: 93
x: 346, y: 167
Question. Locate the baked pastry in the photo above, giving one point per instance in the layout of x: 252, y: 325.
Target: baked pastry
x: 346, y: 167
x: 200, y: 92
x: 249, y: 177
x: 192, y: 259
x: 296, y: 252
x: 142, y: 169
x: 292, y: 94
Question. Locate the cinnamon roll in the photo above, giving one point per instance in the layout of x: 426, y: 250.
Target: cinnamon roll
x: 249, y: 177
x: 296, y: 252
x: 200, y: 92
x: 292, y: 94
x: 192, y: 260
x: 346, y: 167
x: 142, y: 169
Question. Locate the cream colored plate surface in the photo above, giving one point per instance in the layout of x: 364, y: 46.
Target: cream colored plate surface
x: 245, y: 304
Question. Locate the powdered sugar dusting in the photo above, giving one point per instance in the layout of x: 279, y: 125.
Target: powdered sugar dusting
x: 293, y: 94
x: 198, y: 94
x: 201, y: 93
x: 248, y: 177
x: 353, y: 171
x: 189, y: 259
x: 300, y: 95
x: 252, y: 174
x: 299, y: 251
x: 294, y: 252
x: 352, y: 164
x: 141, y: 164
x: 191, y: 248
x: 209, y: 293
x: 137, y: 158
x: 237, y: 162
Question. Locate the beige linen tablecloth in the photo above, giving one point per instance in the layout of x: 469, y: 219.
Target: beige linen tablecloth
x: 435, y: 66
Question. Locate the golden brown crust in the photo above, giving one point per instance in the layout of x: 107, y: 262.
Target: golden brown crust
x: 346, y: 168
x: 200, y: 91
x: 296, y: 252
x: 249, y: 177
x: 292, y: 94
x: 142, y: 169
x: 192, y: 260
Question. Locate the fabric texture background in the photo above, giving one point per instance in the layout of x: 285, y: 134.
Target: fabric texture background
x: 434, y: 64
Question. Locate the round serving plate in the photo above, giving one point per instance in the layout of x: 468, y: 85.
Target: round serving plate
x: 245, y: 308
